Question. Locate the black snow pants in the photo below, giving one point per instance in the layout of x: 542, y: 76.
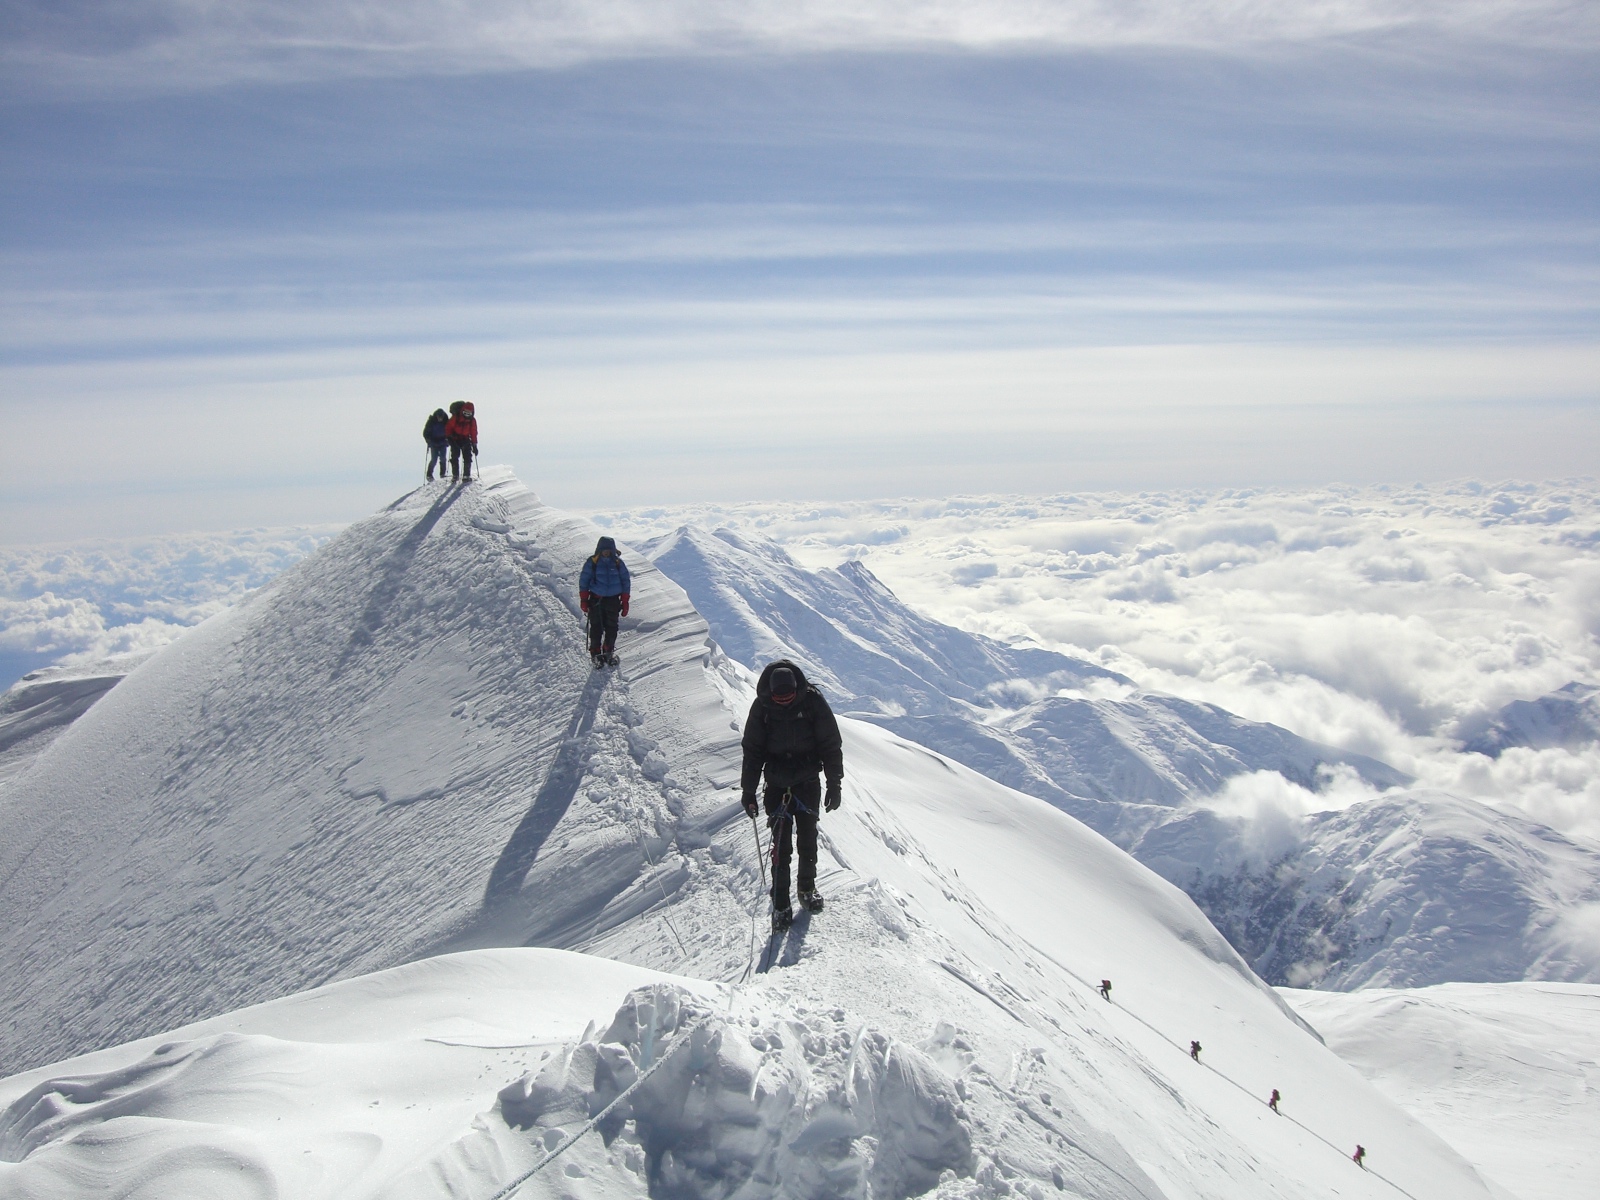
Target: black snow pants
x: 604, y: 612
x: 795, y: 808
x: 460, y: 449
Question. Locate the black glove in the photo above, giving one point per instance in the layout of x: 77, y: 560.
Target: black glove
x: 749, y: 802
x: 831, y: 800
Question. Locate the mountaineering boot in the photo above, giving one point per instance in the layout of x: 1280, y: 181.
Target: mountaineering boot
x: 811, y: 901
x: 611, y: 658
x: 599, y: 660
x: 782, y: 918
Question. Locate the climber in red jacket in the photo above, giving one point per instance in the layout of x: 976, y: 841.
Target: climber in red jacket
x: 462, y: 433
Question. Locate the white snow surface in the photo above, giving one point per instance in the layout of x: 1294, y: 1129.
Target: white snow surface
x: 399, y: 748
x: 1508, y: 1073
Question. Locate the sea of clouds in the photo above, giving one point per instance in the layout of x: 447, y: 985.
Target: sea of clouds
x: 82, y: 601
x: 1393, y: 621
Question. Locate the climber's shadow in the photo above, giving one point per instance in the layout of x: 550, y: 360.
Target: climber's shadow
x: 553, y: 800
x: 783, y: 950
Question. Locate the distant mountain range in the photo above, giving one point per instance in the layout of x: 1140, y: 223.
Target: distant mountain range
x: 1409, y: 889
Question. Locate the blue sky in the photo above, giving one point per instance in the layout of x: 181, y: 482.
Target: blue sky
x: 684, y: 252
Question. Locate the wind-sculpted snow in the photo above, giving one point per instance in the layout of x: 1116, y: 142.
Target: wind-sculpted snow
x: 39, y: 708
x: 807, y: 1105
x: 400, y: 747
x: 361, y: 761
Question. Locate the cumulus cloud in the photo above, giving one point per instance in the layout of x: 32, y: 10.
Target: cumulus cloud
x: 81, y: 601
x: 1390, y: 621
x: 177, y: 41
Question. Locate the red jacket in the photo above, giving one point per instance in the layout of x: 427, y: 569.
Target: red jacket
x: 462, y: 427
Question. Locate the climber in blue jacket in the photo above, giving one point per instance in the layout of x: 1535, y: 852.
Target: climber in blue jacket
x: 603, y: 588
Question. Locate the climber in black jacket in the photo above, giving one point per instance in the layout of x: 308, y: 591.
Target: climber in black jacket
x: 790, y: 737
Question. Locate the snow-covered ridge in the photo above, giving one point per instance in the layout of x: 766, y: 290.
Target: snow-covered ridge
x: 400, y: 747
x: 357, y: 764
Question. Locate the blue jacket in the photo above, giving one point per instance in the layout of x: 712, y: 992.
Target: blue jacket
x: 605, y: 575
x: 433, y: 431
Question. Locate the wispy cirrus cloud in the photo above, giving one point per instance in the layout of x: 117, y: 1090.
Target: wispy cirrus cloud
x: 167, y: 43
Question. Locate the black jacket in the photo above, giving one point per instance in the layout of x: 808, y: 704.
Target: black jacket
x: 793, y: 741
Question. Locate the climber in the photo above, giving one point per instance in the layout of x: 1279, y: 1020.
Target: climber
x: 603, y: 587
x: 1360, y: 1156
x: 1105, y: 989
x: 790, y: 736
x: 433, y: 433
x: 1194, y: 1051
x: 1273, y: 1102
x: 462, y: 432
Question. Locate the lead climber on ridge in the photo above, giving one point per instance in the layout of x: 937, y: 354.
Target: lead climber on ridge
x: 791, y: 736
x: 603, y: 588
x: 462, y: 433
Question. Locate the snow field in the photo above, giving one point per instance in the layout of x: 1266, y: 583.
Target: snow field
x: 328, y: 1093
x: 1508, y: 1073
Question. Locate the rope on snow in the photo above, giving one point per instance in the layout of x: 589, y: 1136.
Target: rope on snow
x: 593, y: 1122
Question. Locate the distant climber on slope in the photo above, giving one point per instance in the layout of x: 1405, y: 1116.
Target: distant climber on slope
x: 433, y: 433
x: 791, y: 736
x: 603, y: 587
x: 462, y: 432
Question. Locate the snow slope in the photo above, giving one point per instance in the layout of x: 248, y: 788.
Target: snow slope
x: 37, y: 709
x: 1568, y: 717
x: 398, y: 749
x: 354, y: 766
x: 1509, y: 1073
x: 944, y: 949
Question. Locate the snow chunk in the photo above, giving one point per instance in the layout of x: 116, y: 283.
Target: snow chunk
x: 781, y: 1109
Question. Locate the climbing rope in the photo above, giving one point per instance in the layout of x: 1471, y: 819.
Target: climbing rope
x: 1187, y: 1052
x: 594, y: 1122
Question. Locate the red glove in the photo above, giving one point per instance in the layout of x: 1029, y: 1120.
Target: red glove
x: 624, y: 603
x: 583, y: 601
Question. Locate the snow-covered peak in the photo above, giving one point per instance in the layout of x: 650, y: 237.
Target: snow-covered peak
x: 864, y: 647
x: 1056, y: 727
x: 1567, y: 717
x: 1408, y: 890
x: 400, y: 748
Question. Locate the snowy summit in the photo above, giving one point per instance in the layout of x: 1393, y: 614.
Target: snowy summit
x: 373, y: 886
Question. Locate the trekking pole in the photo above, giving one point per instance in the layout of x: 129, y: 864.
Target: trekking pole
x: 760, y: 860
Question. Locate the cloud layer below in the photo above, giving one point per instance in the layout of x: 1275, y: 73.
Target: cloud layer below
x: 1390, y: 621
x: 84, y: 601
